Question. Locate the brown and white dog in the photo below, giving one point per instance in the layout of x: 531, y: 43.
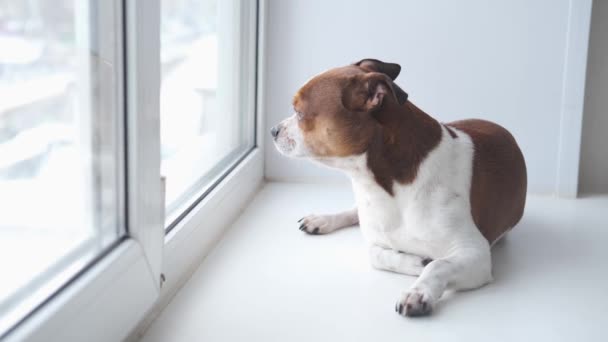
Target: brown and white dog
x: 431, y: 198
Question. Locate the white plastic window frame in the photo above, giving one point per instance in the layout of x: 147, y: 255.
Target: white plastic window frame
x: 107, y: 300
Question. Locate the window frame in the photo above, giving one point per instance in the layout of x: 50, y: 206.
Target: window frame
x: 197, y: 232
x: 128, y: 286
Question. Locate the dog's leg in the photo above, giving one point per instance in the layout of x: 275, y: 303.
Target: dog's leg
x: 394, y: 261
x: 323, y: 224
x: 463, y: 269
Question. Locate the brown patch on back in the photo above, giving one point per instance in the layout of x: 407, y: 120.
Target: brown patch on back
x: 499, y: 181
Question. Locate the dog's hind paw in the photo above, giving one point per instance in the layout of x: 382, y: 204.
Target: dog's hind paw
x: 414, y: 303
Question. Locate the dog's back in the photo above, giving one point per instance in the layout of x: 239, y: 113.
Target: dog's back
x: 499, y: 181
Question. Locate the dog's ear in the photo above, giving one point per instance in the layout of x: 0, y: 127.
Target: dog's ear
x: 392, y: 70
x: 368, y: 92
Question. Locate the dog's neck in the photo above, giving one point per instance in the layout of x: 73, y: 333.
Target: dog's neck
x: 404, y: 136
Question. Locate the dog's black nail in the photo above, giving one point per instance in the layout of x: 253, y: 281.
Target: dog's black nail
x: 300, y: 220
x: 426, y: 261
x: 315, y: 231
x: 400, y: 309
x: 302, y: 226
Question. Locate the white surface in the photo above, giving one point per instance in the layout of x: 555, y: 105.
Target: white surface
x: 594, y: 154
x: 267, y: 281
x: 494, y: 60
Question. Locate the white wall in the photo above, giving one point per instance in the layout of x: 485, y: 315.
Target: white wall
x: 594, y: 148
x: 499, y: 60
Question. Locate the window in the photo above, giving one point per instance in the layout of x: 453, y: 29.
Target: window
x: 98, y: 100
x: 207, y: 97
x: 60, y: 166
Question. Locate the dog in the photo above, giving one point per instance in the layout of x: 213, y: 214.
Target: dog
x: 431, y: 198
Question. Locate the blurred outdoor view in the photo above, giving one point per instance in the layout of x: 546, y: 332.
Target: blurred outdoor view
x: 53, y: 190
x: 202, y: 122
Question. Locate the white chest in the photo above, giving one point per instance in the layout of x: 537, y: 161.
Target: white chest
x: 426, y: 216
x: 379, y: 214
x: 394, y: 222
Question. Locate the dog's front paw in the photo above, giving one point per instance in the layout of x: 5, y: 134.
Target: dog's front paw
x: 414, y: 303
x: 316, y: 224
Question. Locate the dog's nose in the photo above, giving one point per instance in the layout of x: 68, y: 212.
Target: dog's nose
x: 274, y: 131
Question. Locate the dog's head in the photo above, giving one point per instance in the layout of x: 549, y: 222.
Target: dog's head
x: 334, y: 112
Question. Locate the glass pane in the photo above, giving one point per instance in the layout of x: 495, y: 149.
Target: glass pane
x: 207, y: 49
x: 59, y: 195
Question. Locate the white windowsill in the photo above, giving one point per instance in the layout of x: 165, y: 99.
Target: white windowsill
x: 266, y: 280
